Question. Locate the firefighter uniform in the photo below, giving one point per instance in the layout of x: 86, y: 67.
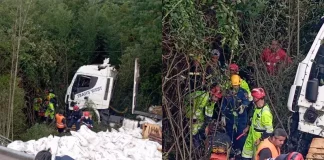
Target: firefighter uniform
x: 236, y: 120
x: 49, y: 113
x: 37, y: 106
x: 261, y: 126
x: 244, y: 85
x: 201, y: 111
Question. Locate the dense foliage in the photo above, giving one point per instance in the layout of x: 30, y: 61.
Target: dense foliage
x: 57, y: 37
x: 243, y: 28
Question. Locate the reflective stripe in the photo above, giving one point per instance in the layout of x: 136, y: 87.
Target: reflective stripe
x: 273, y: 64
x: 208, y: 76
x: 195, y: 73
x: 259, y: 130
x: 257, y: 120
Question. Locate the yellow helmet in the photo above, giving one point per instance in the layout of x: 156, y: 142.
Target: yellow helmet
x: 48, y: 97
x: 236, y: 80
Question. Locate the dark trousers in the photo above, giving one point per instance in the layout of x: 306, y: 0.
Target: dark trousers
x: 73, y: 121
x: 237, y: 144
x: 60, y: 130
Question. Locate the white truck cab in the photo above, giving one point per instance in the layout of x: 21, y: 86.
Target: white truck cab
x: 306, y: 96
x: 94, y: 83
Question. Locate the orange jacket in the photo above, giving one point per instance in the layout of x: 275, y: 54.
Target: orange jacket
x: 59, y: 121
x: 275, y: 151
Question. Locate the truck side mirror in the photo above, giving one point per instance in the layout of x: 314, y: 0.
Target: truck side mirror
x: 312, y: 90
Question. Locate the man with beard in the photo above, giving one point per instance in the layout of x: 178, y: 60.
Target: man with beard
x: 270, y: 147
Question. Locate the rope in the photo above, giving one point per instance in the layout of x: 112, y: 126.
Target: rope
x: 120, y: 112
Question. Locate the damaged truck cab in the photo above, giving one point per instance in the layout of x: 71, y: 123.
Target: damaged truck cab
x: 92, y: 85
x: 306, y: 97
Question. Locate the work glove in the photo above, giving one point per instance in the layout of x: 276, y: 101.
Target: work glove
x: 250, y: 98
x: 223, y: 121
x: 241, y: 109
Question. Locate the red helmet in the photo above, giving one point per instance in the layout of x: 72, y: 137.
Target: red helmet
x: 76, y: 108
x: 216, y: 91
x: 86, y: 113
x: 258, y: 93
x: 295, y: 156
x: 234, y: 67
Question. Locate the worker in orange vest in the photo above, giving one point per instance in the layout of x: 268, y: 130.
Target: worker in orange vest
x: 270, y: 147
x: 60, y: 121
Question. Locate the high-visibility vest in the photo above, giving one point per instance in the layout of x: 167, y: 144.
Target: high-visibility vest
x: 275, y: 151
x: 37, y: 104
x: 59, y: 121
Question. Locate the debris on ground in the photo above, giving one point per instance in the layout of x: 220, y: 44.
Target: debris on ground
x: 125, y: 144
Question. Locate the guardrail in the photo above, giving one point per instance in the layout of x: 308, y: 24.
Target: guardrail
x: 4, y: 141
x: 10, y: 154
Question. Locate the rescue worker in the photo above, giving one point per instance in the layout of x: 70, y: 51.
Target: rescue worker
x: 52, y: 96
x: 289, y: 156
x: 234, y: 70
x: 75, y: 117
x: 37, y: 106
x: 201, y: 112
x: 270, y: 147
x: 86, y: 120
x: 216, y: 96
x: 214, y: 72
x: 234, y: 116
x: 273, y: 56
x: 60, y: 121
x: 50, y: 92
x: 50, y: 110
x: 260, y: 126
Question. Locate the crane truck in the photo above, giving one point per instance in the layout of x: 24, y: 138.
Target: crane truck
x: 95, y: 84
x: 306, y: 101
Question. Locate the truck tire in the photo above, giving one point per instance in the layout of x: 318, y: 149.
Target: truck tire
x: 104, y: 116
x: 298, y: 141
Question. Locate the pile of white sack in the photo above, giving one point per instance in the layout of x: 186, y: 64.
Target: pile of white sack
x: 124, y: 144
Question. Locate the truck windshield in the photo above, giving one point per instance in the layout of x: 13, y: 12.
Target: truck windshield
x: 83, y: 83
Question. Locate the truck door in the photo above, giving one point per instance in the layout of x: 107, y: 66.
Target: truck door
x: 81, y: 88
x: 108, y: 90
